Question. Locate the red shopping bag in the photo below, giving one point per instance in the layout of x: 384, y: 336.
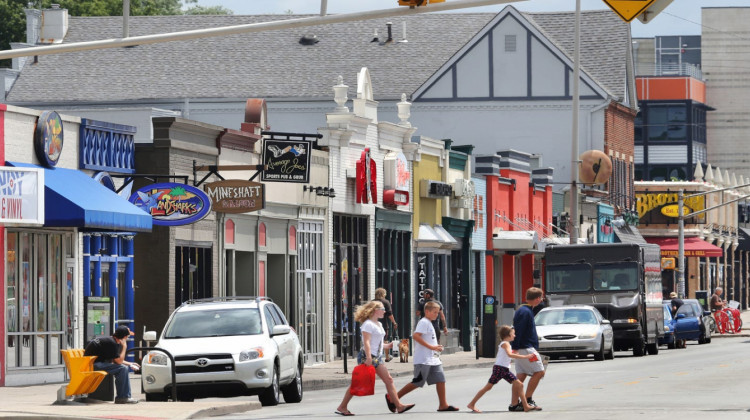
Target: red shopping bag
x: 363, y: 380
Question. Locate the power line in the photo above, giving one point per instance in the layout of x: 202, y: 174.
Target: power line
x: 706, y: 26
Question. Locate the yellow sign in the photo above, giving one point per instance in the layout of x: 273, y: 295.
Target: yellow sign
x: 628, y: 9
x: 668, y: 263
x: 673, y: 210
x: 645, y: 202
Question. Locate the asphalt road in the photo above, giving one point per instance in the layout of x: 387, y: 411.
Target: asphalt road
x: 701, y: 382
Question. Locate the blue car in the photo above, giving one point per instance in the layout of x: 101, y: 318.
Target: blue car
x: 669, y: 325
x: 687, y: 323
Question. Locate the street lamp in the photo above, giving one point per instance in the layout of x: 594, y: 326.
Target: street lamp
x: 574, y: 148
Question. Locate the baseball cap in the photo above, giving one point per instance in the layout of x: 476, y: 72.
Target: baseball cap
x: 673, y: 295
x: 122, y: 332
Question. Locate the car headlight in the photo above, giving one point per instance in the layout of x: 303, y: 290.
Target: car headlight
x: 625, y: 321
x: 586, y: 336
x: 252, y: 354
x: 156, y: 359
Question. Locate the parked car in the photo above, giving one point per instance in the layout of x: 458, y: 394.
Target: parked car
x: 574, y: 330
x: 702, y: 315
x: 669, y: 323
x: 225, y: 347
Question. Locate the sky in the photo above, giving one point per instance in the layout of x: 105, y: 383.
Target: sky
x: 681, y: 17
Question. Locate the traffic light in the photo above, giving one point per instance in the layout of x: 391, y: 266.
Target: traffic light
x: 415, y: 3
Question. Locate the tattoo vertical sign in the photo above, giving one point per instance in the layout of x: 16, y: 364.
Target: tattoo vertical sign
x: 286, y: 161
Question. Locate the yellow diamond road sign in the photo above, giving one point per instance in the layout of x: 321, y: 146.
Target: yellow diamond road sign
x: 629, y: 9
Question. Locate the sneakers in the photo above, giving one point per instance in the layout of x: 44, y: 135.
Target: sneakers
x: 517, y: 407
x: 531, y: 402
x: 125, y: 401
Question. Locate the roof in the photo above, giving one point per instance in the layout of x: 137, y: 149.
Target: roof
x: 274, y: 65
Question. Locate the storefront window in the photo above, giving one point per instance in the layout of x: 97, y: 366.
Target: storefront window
x: 11, y: 295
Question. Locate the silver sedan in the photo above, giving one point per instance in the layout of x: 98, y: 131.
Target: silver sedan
x: 571, y: 330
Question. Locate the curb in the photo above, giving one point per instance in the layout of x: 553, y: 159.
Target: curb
x: 322, y: 384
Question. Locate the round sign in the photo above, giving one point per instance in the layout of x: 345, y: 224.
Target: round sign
x: 489, y: 300
x: 595, y: 167
x: 48, y: 138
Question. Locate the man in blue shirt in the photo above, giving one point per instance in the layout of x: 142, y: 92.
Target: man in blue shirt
x: 527, y: 342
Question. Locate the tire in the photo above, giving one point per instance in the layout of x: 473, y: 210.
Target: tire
x: 599, y: 356
x: 712, y: 324
x: 156, y: 396
x: 293, y: 391
x: 270, y: 395
x: 672, y: 345
x: 653, y: 349
x: 639, y: 349
x: 611, y: 354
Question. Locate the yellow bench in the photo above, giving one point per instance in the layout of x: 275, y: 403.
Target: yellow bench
x: 83, y: 378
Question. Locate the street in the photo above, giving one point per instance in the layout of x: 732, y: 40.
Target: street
x: 698, y: 382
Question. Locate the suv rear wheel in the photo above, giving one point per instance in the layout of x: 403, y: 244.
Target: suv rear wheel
x: 293, y: 391
x: 270, y: 395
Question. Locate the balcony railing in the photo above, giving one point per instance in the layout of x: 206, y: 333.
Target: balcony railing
x: 684, y: 69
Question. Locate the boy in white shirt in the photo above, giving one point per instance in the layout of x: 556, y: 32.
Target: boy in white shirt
x: 427, y: 365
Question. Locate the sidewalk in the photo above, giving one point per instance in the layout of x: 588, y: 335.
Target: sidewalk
x: 37, y: 401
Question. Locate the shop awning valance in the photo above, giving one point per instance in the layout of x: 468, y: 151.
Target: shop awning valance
x: 694, y: 247
x: 74, y: 199
x: 516, y: 240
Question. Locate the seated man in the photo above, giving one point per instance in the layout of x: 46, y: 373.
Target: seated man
x: 600, y: 280
x: 110, y: 357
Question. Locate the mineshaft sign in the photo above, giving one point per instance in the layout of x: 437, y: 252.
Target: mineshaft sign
x: 629, y: 9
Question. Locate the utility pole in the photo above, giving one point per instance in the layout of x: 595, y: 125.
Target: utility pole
x: 574, y: 140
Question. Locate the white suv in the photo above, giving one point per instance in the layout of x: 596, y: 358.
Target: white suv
x: 226, y: 346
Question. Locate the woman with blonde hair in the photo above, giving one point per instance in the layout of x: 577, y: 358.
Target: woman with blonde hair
x: 371, y: 354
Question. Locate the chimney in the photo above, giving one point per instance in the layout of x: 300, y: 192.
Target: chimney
x: 33, y: 20
x: 54, y: 25
x: 403, y: 33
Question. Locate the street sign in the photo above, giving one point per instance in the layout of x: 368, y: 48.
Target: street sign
x: 629, y: 9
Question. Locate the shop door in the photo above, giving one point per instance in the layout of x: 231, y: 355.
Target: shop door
x: 309, y: 311
x: 454, y: 299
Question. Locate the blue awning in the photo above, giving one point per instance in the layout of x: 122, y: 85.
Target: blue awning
x: 73, y: 199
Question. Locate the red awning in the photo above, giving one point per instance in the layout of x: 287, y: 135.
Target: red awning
x: 694, y: 247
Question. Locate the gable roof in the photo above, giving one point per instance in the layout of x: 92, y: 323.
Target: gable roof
x: 274, y: 65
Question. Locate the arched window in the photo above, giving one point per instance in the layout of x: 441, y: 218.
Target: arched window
x: 229, y: 231
x: 292, y: 238
x: 261, y: 234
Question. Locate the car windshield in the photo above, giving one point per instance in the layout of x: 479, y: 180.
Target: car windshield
x: 568, y: 278
x: 214, y: 323
x: 565, y: 316
x: 613, y: 277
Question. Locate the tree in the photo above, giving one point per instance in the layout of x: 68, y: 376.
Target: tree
x: 13, y: 17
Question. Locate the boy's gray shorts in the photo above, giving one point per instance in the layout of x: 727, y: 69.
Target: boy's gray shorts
x: 432, y: 374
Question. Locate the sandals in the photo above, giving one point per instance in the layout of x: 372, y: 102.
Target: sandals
x: 344, y: 413
x: 449, y: 408
x: 406, y: 408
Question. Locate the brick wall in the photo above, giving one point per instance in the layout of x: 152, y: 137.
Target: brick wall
x: 619, y: 146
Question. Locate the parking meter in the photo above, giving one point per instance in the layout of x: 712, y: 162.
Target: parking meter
x: 489, y: 326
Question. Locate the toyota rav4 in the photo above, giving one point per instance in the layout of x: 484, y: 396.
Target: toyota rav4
x: 225, y: 347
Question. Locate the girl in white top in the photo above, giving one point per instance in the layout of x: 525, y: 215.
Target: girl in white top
x: 501, y: 370
x: 372, y: 353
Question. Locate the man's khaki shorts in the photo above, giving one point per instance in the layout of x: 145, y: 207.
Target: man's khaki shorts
x: 526, y: 367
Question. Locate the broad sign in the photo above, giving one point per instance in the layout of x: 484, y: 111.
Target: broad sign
x: 21, y: 195
x: 286, y: 161
x: 236, y: 196
x: 172, y: 204
x: 628, y: 9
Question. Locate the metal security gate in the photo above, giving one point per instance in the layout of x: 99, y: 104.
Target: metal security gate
x: 307, y: 296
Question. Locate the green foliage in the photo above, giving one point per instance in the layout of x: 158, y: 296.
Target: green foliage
x: 13, y: 18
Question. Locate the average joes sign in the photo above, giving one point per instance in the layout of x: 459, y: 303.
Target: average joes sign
x: 236, y: 196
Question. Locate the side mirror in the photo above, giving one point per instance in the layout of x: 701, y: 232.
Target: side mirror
x: 680, y: 316
x: 280, y: 330
x: 706, y: 313
x: 149, y: 336
x: 605, y: 321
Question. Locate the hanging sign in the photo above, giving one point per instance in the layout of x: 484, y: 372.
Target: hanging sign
x: 396, y: 178
x: 172, y: 204
x: 628, y: 9
x: 48, y: 138
x: 236, y: 196
x: 287, y: 161
x: 366, y: 184
x: 21, y: 195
